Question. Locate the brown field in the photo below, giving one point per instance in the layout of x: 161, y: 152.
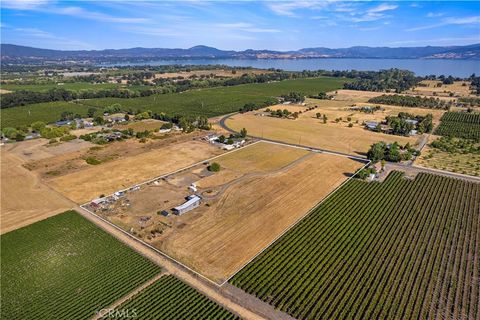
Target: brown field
x: 68, y: 162
x: 289, y: 107
x: 149, y: 124
x: 309, y: 131
x: 39, y: 149
x: 24, y: 199
x: 217, y: 73
x: 364, y: 96
x: 261, y: 190
x: 336, y: 109
x: 219, y: 239
x: 89, y: 183
x: 457, y: 88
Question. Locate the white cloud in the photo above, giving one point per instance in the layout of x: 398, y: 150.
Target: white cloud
x: 285, y: 8
x: 23, y: 4
x: 48, y: 39
x: 382, y: 7
x: 46, y: 6
x: 435, y: 14
x: 449, y: 21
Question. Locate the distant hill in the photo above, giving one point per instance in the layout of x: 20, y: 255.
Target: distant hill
x: 15, y: 53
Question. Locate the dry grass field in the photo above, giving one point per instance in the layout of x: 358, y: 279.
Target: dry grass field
x: 261, y: 190
x: 309, y: 131
x: 72, y: 160
x: 91, y: 182
x: 149, y: 124
x: 219, y: 239
x: 363, y: 96
x: 24, y: 199
x: 337, y: 108
x: 289, y: 107
x: 458, y: 88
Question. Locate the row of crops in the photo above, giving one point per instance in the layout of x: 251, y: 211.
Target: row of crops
x: 460, y: 125
x: 400, y: 249
x: 65, y: 267
x: 170, y: 298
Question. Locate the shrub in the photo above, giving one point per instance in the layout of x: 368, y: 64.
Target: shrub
x: 214, y: 167
x: 92, y: 161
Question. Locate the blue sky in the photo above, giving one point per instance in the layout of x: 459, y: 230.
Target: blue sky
x: 238, y: 25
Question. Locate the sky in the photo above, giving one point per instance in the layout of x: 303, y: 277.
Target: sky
x: 238, y: 25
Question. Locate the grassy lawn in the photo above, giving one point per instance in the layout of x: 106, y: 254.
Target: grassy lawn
x: 65, y: 267
x: 209, y: 102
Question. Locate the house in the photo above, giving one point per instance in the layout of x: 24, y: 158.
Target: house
x: 211, y: 138
x: 63, y: 123
x: 228, y: 147
x: 164, y: 130
x: 96, y: 203
x: 371, y: 125
x: 413, y: 132
x: 411, y: 121
x: 193, y: 202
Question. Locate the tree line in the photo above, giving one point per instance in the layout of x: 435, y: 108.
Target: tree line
x: 412, y: 101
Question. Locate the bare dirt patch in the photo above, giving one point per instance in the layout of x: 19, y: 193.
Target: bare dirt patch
x: 24, y: 199
x: 89, y: 183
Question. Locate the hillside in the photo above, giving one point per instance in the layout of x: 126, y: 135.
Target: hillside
x: 15, y: 53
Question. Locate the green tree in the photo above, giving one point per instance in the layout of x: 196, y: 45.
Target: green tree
x: 38, y: 126
x: 377, y: 151
x: 243, y: 133
x: 91, y: 112
x: 214, y: 167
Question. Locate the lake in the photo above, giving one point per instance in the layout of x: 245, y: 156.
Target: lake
x: 421, y: 67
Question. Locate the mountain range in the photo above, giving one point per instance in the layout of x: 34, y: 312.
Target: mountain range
x: 16, y: 53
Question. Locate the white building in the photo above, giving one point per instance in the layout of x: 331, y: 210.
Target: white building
x: 192, y: 203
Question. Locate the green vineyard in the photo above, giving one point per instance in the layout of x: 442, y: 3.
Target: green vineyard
x: 460, y: 125
x: 400, y: 249
x: 65, y: 267
x: 170, y: 298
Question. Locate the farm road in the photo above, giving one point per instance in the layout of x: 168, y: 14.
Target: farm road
x: 255, y: 175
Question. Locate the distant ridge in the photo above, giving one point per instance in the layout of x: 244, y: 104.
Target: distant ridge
x: 12, y: 53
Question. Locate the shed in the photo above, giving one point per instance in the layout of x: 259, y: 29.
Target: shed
x: 192, y: 203
x: 371, y: 124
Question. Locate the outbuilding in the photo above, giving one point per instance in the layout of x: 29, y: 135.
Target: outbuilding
x: 193, y: 202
